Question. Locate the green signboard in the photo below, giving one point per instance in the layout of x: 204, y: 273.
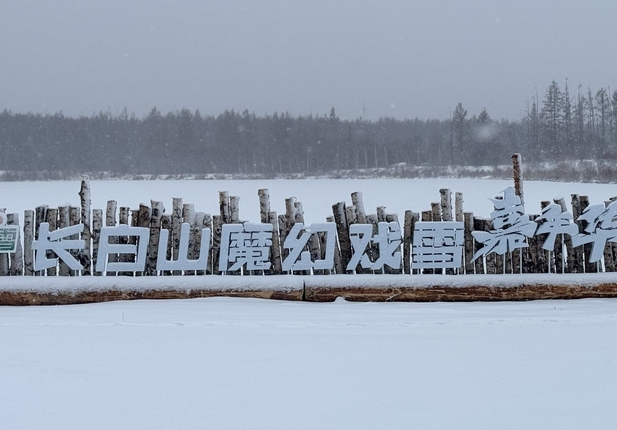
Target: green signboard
x: 9, y: 234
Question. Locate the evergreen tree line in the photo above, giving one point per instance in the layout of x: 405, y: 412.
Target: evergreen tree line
x: 561, y: 126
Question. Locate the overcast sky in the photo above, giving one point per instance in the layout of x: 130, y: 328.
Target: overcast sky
x: 403, y: 59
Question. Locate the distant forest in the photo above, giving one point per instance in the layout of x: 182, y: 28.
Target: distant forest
x: 556, y: 126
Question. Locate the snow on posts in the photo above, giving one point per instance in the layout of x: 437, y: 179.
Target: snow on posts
x: 340, y: 219
x: 16, y: 258
x: 86, y: 235
x: 97, y: 224
x: 176, y: 222
x: 52, y: 220
x: 153, y: 242
x: 28, y: 237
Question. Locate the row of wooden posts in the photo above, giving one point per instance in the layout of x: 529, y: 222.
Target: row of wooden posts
x: 534, y: 259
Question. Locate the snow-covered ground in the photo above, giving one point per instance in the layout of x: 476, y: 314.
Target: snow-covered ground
x: 225, y: 363
x: 254, y: 364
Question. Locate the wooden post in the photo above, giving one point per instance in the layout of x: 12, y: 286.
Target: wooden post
x: 217, y: 227
x: 86, y: 255
x: 589, y: 267
x: 609, y: 262
x: 188, y: 217
x: 388, y: 269
x: 28, y: 237
x: 166, y: 225
x: 197, y: 229
x: 208, y: 225
x: 224, y: 207
x: 176, y: 223
x: 469, y: 243
x: 277, y: 265
x: 97, y: 224
x: 565, y: 258
x: 408, y: 227
x: 340, y: 218
x: 123, y: 219
x: 110, y: 221
x: 144, y: 217
x: 63, y: 221
x: 264, y: 205
x: 458, y: 204
x: 17, y: 258
x: 155, y: 234
x: 74, y: 219
x: 479, y: 267
x: 40, y: 217
x: 338, y: 264
x: 579, y: 252
x: 446, y: 204
x: 52, y: 220
x: 517, y: 173
x: 357, y: 201
x: 4, y: 258
x: 234, y: 210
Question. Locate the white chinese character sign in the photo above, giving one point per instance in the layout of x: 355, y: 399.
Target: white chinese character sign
x: 387, y: 240
x: 601, y: 228
x: 9, y: 235
x: 512, y: 226
x: 438, y: 245
x: 245, y: 246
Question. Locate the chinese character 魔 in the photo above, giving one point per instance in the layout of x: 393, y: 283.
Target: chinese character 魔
x: 245, y: 245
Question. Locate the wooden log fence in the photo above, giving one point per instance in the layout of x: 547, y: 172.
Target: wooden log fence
x: 533, y: 258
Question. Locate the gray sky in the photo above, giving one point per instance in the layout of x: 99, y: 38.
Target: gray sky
x: 402, y: 59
